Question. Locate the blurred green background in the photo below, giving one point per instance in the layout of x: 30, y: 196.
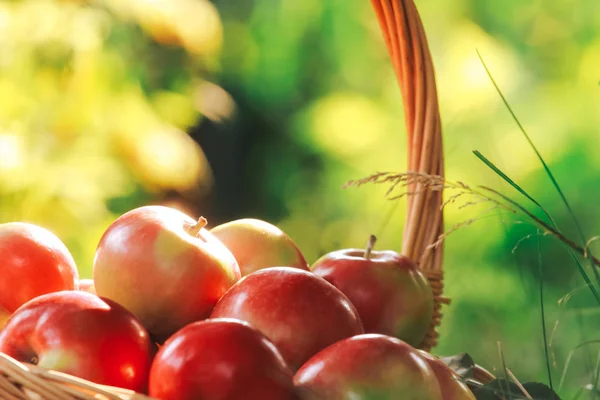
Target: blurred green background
x: 265, y: 108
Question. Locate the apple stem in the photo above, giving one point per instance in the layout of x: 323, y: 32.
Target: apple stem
x: 197, y: 227
x: 370, y: 244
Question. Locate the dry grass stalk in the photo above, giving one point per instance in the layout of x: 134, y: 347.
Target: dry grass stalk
x: 519, y: 385
x: 480, y: 195
x: 399, y: 184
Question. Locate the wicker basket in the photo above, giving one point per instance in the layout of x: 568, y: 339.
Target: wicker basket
x: 407, y: 46
x: 20, y: 381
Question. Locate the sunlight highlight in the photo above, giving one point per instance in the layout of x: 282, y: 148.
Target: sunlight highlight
x: 11, y: 152
x: 347, y: 124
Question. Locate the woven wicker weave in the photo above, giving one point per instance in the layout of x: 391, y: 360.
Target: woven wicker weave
x: 407, y: 46
x: 19, y: 381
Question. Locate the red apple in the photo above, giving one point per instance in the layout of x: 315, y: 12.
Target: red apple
x: 33, y: 261
x: 220, y: 359
x: 390, y: 293
x: 87, y: 285
x: 367, y: 367
x: 453, y: 388
x: 257, y: 244
x: 83, y: 335
x: 164, y: 267
x: 298, y: 311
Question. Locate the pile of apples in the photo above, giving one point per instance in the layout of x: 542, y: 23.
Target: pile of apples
x: 181, y: 312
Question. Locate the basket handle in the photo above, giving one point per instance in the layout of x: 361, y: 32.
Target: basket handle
x: 408, y: 48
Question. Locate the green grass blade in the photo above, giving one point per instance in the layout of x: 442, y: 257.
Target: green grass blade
x: 522, y: 129
x: 546, y: 168
x: 580, y: 268
x: 543, y: 311
x: 497, y: 170
x: 541, y: 223
x: 568, y: 360
x: 596, y: 376
x: 579, y: 393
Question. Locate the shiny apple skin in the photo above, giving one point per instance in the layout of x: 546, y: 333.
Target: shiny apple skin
x: 87, y: 285
x: 298, y: 311
x: 220, y: 359
x: 258, y: 244
x: 367, y: 367
x: 453, y: 388
x: 390, y: 293
x: 33, y: 261
x: 149, y: 263
x: 83, y: 335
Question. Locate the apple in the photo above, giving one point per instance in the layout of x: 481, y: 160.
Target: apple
x: 78, y: 333
x: 257, y: 244
x: 87, y: 285
x: 295, y: 309
x: 390, y: 293
x: 33, y: 261
x: 164, y: 267
x: 220, y: 359
x: 453, y: 388
x: 367, y: 367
